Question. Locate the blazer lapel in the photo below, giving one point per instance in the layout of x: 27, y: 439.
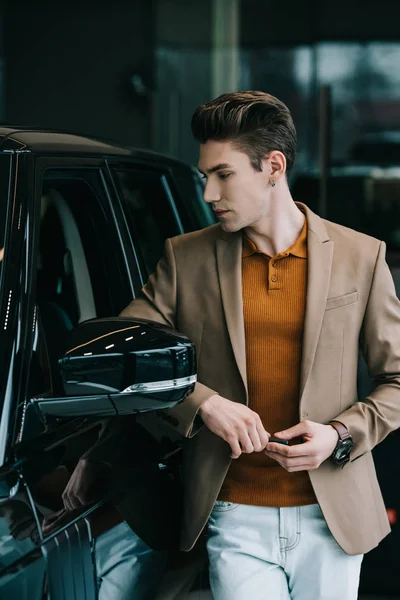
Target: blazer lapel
x: 229, y: 260
x: 319, y: 254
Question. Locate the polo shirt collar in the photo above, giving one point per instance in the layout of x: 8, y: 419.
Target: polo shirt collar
x: 299, y: 248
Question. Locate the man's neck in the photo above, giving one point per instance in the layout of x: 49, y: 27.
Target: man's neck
x: 278, y: 230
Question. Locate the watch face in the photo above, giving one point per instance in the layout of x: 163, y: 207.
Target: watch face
x: 344, y: 449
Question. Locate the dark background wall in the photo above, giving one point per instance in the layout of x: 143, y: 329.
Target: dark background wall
x: 306, y: 21
x: 68, y: 65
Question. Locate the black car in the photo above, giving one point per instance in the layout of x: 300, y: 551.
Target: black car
x: 82, y: 224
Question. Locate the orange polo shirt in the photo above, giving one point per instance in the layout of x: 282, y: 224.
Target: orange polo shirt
x: 274, y: 298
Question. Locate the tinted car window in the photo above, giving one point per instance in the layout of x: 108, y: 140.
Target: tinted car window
x: 81, y: 271
x: 189, y: 199
x: 150, y: 212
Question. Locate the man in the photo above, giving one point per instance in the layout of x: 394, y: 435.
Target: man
x: 277, y: 302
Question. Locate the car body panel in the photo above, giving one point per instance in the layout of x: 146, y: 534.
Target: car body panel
x: 63, y: 193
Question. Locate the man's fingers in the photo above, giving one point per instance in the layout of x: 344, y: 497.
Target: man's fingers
x: 293, y: 462
x: 306, y: 449
x: 256, y: 442
x: 301, y: 463
x: 251, y: 438
x: 302, y: 428
x: 246, y: 443
x: 262, y: 434
x: 299, y: 468
x: 236, y: 449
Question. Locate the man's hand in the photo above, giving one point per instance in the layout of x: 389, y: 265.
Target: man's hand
x: 319, y: 443
x: 89, y: 483
x: 236, y: 424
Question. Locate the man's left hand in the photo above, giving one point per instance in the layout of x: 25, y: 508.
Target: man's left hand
x: 319, y: 441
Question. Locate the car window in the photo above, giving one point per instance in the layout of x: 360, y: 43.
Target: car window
x: 150, y: 213
x: 195, y: 213
x: 81, y: 271
x: 4, y: 197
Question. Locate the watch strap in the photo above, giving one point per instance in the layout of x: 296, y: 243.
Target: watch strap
x: 341, y: 429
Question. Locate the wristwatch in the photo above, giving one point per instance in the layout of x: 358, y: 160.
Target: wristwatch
x: 341, y: 453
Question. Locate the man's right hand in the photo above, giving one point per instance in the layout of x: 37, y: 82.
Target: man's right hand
x: 235, y: 423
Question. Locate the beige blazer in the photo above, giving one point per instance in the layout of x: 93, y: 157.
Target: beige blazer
x: 351, y: 304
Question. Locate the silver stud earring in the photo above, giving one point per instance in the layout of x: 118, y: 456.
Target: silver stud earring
x: 272, y: 183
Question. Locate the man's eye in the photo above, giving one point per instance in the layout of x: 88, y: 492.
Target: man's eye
x: 224, y: 175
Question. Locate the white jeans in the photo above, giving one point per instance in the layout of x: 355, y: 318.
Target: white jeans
x: 126, y: 567
x: 263, y: 553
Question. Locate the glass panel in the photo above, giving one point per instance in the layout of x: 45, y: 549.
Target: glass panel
x: 81, y: 274
x: 194, y: 212
x: 81, y: 265
x: 149, y: 214
x: 365, y: 82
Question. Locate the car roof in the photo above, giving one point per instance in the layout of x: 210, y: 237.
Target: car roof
x: 43, y: 141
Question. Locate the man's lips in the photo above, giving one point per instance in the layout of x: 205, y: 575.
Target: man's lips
x: 219, y: 213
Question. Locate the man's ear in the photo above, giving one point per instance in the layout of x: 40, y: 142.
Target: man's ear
x: 275, y: 162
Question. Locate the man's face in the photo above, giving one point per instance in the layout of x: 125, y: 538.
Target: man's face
x: 239, y: 195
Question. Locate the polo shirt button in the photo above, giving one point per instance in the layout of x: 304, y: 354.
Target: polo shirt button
x: 273, y: 278
x: 274, y: 263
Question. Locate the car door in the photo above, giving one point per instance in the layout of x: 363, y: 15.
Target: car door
x: 18, y: 515
x: 75, y: 265
x: 89, y: 253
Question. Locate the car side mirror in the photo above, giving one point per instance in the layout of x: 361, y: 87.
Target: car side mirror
x: 118, y: 366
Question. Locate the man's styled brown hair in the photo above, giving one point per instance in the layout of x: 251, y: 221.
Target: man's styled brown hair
x: 256, y: 122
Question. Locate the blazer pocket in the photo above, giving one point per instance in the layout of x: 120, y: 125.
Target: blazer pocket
x: 341, y: 301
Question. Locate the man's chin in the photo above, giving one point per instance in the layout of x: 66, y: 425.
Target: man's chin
x: 229, y: 227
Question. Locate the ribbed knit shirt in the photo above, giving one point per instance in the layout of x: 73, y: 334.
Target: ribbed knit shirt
x: 274, y: 297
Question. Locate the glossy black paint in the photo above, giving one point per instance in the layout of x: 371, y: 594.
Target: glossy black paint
x: 121, y: 352
x: 39, y: 449
x: 122, y: 366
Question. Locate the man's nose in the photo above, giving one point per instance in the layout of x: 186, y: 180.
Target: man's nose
x: 211, y: 193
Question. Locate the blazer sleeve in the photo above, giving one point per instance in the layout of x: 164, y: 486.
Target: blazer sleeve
x: 158, y: 302
x: 373, y: 418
